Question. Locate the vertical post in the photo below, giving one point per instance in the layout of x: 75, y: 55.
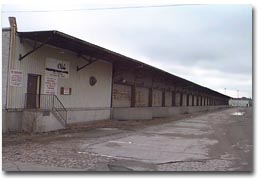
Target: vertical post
x: 112, y: 75
x: 173, y: 98
x: 25, y: 101
x: 163, y: 98
x: 237, y: 97
x: 133, y: 95
x: 150, y: 97
x: 11, y: 57
x: 53, y: 103
x: 188, y: 99
x: 181, y: 99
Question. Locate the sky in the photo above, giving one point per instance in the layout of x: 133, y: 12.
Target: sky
x: 210, y: 45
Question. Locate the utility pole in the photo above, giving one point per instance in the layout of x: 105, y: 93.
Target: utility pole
x: 237, y: 97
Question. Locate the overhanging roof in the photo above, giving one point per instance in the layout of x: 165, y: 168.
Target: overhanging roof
x: 80, y: 47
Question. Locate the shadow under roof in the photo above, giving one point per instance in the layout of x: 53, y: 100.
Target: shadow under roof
x: 81, y: 47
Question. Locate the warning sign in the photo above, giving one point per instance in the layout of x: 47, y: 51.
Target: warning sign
x: 16, y: 78
x: 50, y: 85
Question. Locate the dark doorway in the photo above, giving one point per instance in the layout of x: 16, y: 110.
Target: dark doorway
x: 33, y: 91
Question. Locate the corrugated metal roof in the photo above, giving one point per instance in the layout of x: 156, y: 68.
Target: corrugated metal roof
x: 81, y: 47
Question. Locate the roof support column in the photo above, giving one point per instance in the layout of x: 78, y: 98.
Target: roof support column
x: 133, y: 96
x: 181, y: 99
x: 150, y: 97
x: 163, y: 98
x: 173, y: 98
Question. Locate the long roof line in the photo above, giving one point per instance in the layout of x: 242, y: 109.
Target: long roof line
x: 31, y: 34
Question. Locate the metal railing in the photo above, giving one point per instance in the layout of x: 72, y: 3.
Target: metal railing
x: 60, y: 109
x: 46, y: 102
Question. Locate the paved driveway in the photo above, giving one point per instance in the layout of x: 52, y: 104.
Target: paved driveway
x: 213, y: 141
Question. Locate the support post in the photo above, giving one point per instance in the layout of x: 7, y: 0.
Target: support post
x: 181, y: 99
x: 163, y: 98
x: 33, y: 50
x: 150, y: 97
x: 133, y: 96
x: 173, y: 98
x: 11, y: 57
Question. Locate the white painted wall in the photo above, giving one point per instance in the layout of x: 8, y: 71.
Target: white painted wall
x: 242, y: 103
x: 83, y: 94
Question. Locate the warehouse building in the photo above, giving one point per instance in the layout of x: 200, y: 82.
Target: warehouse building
x: 51, y: 79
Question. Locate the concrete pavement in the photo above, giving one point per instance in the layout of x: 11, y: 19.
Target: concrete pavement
x: 215, y: 141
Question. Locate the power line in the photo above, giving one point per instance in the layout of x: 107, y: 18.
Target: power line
x: 106, y: 8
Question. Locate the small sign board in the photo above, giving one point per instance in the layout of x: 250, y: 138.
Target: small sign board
x: 50, y: 85
x: 66, y: 91
x: 16, y: 78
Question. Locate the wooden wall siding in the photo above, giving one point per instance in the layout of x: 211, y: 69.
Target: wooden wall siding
x: 177, y: 99
x: 142, y: 95
x: 156, y: 97
x: 168, y: 98
x: 121, y: 95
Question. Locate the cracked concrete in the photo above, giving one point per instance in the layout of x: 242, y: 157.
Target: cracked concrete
x: 215, y: 141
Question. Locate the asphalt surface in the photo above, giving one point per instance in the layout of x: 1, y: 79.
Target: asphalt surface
x: 211, y: 141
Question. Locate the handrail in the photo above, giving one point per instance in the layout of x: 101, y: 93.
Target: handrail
x: 46, y: 102
x: 58, y: 111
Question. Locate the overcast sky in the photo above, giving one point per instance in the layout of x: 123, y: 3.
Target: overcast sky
x: 210, y: 45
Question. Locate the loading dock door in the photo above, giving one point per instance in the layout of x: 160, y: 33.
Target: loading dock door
x: 33, y: 87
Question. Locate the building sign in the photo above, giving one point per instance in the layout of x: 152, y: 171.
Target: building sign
x: 16, y: 78
x: 50, y: 85
x: 57, y: 68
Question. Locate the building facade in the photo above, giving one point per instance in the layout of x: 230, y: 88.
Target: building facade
x: 240, y: 102
x: 51, y: 79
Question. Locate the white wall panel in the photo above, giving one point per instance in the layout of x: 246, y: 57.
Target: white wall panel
x: 83, y: 94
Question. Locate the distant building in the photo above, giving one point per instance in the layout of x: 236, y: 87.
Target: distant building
x: 241, y: 102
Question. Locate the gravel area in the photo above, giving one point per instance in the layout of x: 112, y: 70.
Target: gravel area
x: 55, y: 153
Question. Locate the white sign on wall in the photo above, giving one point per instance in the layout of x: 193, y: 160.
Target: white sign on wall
x: 50, y: 85
x: 57, y: 68
x: 66, y: 91
x: 16, y: 78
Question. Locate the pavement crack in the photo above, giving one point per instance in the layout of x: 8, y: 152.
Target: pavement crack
x: 171, y: 162
x: 196, y: 160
